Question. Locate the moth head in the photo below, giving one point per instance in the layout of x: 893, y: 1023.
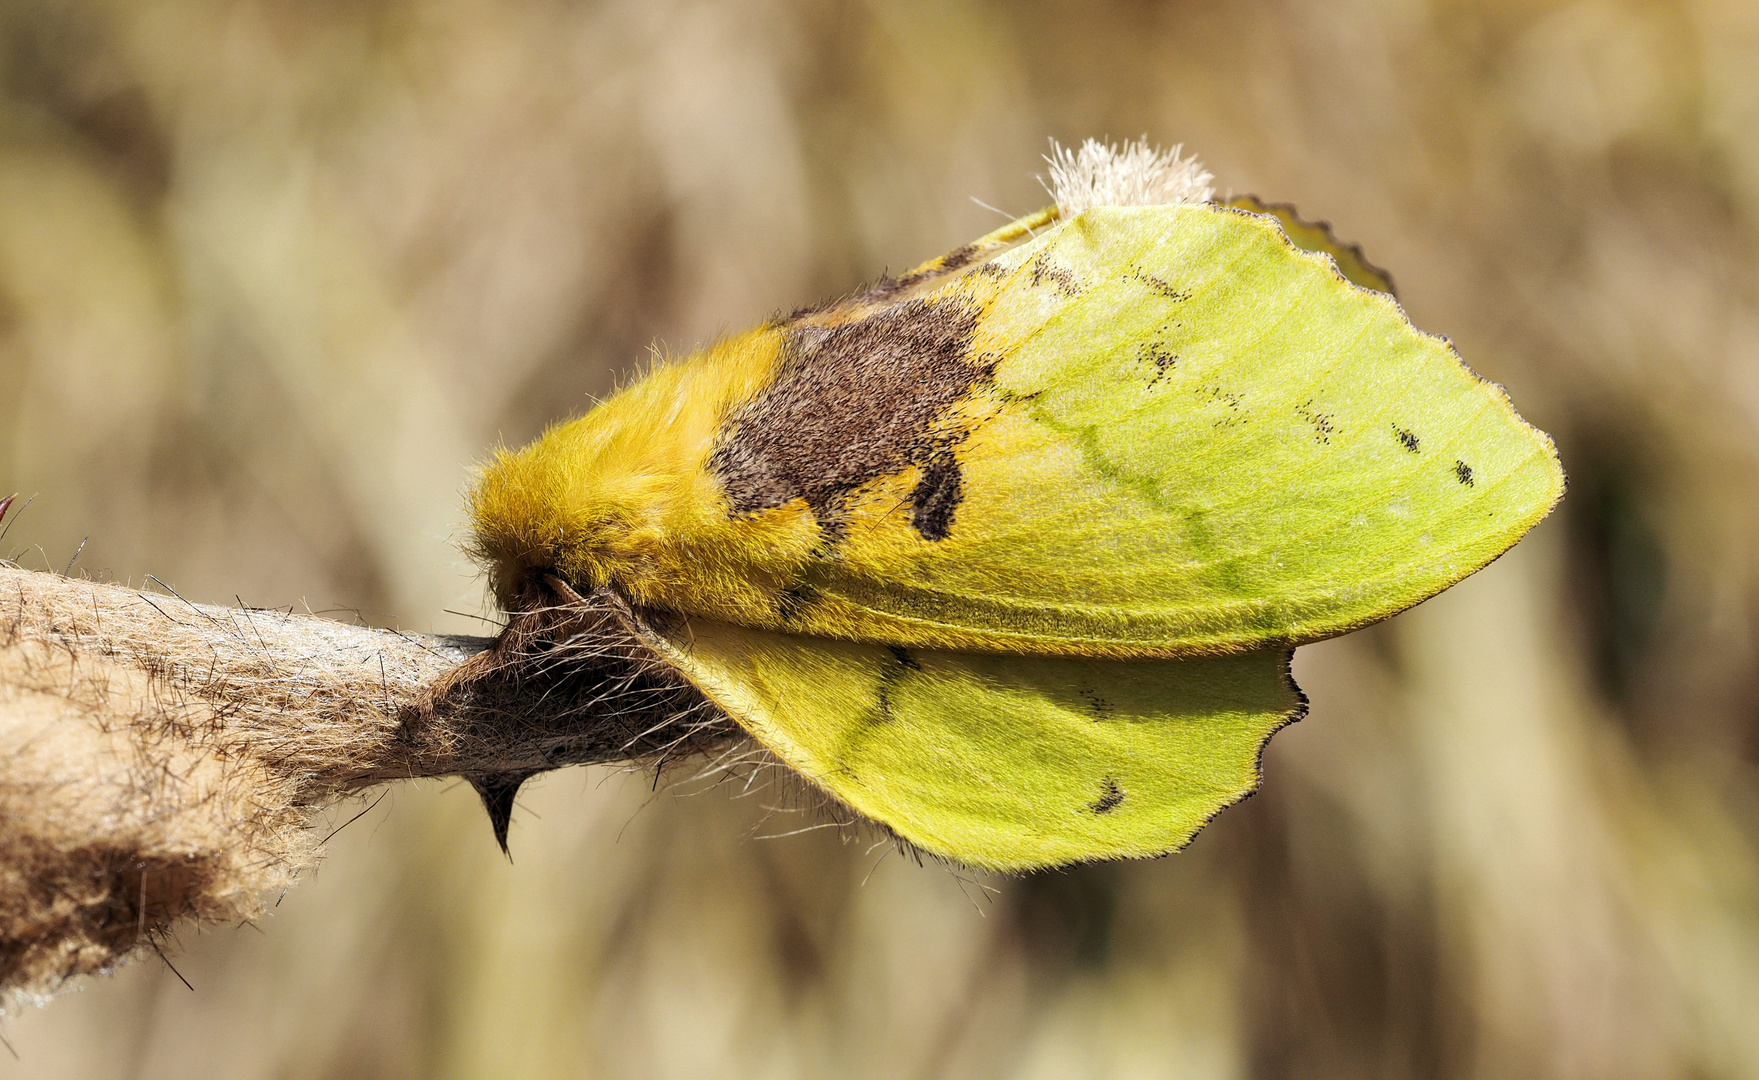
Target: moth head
x: 569, y: 504
x: 599, y: 500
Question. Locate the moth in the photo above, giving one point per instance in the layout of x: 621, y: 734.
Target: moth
x: 1009, y: 553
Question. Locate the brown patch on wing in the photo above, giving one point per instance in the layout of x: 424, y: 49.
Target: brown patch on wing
x: 852, y: 403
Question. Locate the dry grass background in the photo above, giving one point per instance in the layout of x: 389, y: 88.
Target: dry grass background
x: 272, y: 274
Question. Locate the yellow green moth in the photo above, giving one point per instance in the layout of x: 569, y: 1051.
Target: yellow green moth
x: 1008, y: 554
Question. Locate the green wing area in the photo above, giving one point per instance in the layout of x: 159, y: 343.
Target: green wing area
x: 1000, y: 762
x: 1198, y: 439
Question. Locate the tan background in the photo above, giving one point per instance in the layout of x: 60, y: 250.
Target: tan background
x: 272, y: 274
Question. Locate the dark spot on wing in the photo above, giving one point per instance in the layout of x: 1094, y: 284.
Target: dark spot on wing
x: 947, y: 264
x: 1160, y: 285
x: 1406, y: 439
x: 1323, y: 425
x: 1061, y: 279
x: 791, y: 602
x: 889, y: 678
x: 1233, y: 416
x: 1100, y: 707
x: 957, y: 258
x: 904, y: 659
x: 936, y: 496
x: 853, y: 403
x: 882, y: 712
x: 1163, y: 359
x: 1463, y: 473
x: 1110, y: 795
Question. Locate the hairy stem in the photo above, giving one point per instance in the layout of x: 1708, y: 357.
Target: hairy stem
x: 162, y: 760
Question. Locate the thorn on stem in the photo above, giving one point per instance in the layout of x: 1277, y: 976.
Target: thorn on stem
x: 498, y: 791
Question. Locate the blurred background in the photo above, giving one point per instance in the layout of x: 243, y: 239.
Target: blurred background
x: 274, y: 273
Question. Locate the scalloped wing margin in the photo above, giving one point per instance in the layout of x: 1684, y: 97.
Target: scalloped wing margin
x: 1318, y: 236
